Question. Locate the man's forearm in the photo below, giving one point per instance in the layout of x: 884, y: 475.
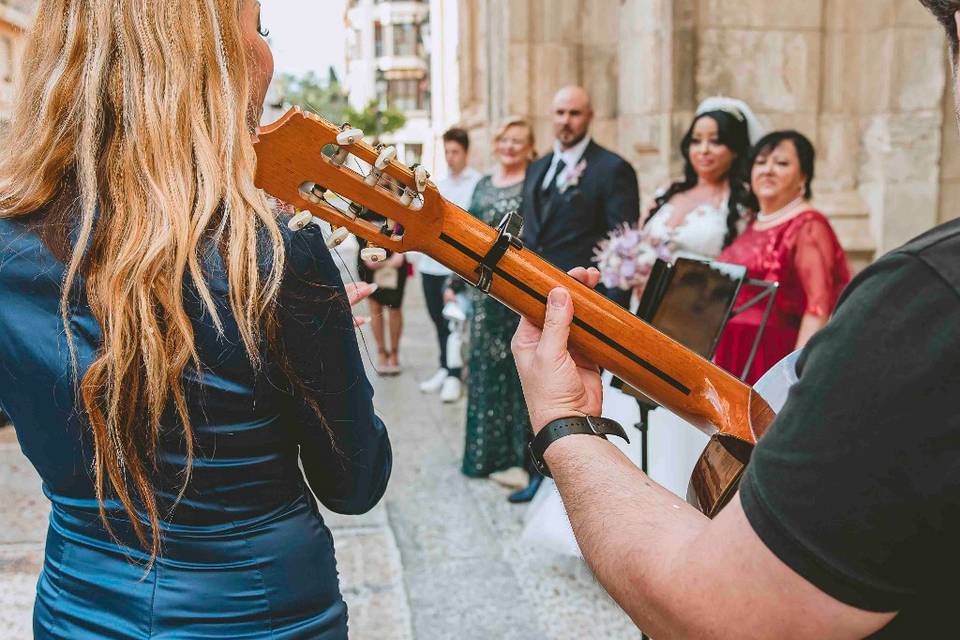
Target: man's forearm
x: 632, y: 531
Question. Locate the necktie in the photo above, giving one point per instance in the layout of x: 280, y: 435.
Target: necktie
x: 551, y: 190
x: 552, y: 185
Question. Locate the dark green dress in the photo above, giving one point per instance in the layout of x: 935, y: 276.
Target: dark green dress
x: 497, y: 420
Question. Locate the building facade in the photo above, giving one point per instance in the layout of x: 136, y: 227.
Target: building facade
x: 867, y: 80
x: 388, y: 62
x: 15, y: 16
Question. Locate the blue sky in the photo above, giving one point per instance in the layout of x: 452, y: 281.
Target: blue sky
x: 305, y: 35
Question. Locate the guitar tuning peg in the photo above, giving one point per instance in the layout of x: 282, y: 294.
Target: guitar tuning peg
x: 421, y: 175
x: 373, y: 177
x: 336, y: 237
x: 373, y: 253
x: 388, y: 227
x: 340, y: 157
x: 354, y: 211
x: 312, y: 192
x: 348, y: 137
x: 408, y: 196
x: 300, y: 221
x: 387, y: 154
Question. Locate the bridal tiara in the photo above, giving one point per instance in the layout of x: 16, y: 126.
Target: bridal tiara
x: 721, y: 104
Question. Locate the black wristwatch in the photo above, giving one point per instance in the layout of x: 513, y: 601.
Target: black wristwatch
x: 557, y: 429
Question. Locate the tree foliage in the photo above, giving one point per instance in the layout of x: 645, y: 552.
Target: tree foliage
x: 329, y: 99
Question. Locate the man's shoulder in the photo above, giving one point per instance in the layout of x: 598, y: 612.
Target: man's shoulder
x: 541, y: 161
x: 600, y: 152
x: 940, y: 239
x: 938, y: 249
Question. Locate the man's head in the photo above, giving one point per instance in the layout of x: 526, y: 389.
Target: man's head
x: 456, y: 144
x: 947, y: 12
x: 572, y: 113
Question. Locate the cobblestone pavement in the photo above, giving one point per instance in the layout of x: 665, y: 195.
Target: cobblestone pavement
x: 440, y: 557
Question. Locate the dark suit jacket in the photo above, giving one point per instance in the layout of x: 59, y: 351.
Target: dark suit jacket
x: 577, y: 219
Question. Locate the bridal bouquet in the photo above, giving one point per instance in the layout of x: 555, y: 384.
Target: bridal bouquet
x: 625, y: 258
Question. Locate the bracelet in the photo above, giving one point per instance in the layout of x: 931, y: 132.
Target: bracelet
x: 587, y: 425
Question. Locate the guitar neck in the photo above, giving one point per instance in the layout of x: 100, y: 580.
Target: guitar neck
x: 666, y: 371
x: 291, y: 163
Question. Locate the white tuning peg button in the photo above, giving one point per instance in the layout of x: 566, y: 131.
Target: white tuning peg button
x: 300, y: 221
x: 407, y: 197
x: 349, y: 137
x: 373, y: 254
x: 421, y: 175
x: 388, y: 154
x: 337, y: 237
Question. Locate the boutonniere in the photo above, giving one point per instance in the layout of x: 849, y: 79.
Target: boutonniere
x: 571, y: 176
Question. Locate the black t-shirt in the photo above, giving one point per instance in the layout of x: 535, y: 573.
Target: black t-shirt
x: 856, y: 486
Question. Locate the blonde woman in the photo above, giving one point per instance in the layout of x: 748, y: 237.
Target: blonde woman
x: 168, y: 342
x: 497, y: 420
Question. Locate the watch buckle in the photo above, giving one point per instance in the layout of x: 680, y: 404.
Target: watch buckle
x: 593, y: 427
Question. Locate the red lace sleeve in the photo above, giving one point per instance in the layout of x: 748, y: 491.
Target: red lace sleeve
x: 816, y: 257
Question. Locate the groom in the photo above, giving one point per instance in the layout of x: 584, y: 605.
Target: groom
x: 574, y: 196
x: 572, y: 199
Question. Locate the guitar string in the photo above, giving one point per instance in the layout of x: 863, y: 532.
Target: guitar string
x: 353, y: 280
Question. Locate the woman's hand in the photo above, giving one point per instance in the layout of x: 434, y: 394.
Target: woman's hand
x: 556, y: 383
x: 357, y: 292
x: 395, y: 261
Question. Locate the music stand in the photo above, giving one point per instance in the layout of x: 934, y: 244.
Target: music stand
x: 691, y: 301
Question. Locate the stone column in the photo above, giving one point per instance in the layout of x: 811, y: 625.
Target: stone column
x: 949, y: 155
x: 657, y: 65
x: 899, y: 84
x: 517, y: 53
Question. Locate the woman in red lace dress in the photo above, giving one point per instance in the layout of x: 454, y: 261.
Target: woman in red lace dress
x: 788, y: 242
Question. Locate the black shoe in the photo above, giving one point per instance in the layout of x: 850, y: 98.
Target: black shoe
x: 526, y: 495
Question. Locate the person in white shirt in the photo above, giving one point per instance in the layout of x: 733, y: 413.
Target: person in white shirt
x: 457, y: 187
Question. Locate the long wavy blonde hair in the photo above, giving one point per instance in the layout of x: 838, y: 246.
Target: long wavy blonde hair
x: 136, y: 112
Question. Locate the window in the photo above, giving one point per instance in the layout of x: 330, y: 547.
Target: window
x: 354, y: 44
x: 413, y: 154
x: 6, y: 59
x: 378, y: 39
x: 406, y: 40
x: 408, y: 94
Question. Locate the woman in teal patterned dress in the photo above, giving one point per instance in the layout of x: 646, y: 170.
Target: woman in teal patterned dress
x: 497, y: 421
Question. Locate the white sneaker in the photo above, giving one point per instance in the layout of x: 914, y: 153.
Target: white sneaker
x: 435, y: 383
x: 451, y: 389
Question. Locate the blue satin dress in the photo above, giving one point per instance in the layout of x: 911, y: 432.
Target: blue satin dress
x: 245, y: 552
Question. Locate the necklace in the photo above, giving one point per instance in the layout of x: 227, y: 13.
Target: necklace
x: 772, y: 219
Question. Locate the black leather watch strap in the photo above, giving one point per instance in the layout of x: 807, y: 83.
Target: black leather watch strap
x: 557, y: 429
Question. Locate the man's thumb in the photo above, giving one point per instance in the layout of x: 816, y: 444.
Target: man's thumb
x: 556, y: 323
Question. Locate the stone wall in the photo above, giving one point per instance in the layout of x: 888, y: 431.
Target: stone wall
x: 866, y: 80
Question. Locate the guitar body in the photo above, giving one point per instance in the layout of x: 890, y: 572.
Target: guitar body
x: 717, y: 473
x: 290, y: 167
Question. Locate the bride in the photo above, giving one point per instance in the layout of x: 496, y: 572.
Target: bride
x: 696, y: 217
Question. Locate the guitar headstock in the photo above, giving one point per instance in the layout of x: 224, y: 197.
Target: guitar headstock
x: 301, y: 158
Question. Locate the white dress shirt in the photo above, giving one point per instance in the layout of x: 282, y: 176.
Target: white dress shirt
x: 458, y: 189
x: 571, y: 157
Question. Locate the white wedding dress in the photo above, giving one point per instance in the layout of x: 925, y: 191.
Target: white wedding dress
x: 673, y: 445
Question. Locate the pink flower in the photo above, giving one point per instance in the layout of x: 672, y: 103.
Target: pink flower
x: 570, y: 177
x: 626, y: 257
